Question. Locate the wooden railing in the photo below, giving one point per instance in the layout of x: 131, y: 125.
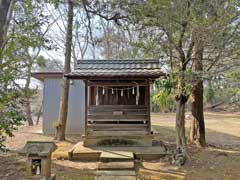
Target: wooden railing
x: 117, y: 117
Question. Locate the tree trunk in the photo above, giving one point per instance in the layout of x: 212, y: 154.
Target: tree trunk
x: 27, y: 94
x: 28, y: 112
x: 181, y: 100
x: 61, y: 125
x: 4, y: 9
x: 197, y: 127
x: 39, y: 114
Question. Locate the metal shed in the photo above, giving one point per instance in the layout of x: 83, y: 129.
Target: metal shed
x: 51, y: 100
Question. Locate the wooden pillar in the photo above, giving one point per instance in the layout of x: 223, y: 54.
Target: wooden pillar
x: 146, y: 96
x: 148, y: 106
x: 137, y: 95
x: 86, y: 105
x: 88, y: 95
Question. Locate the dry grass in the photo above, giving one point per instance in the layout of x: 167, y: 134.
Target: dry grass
x: 220, y: 160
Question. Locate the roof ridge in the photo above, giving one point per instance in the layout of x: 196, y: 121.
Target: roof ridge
x: 117, y: 61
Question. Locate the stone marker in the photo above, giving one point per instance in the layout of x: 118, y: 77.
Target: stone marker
x: 39, y: 159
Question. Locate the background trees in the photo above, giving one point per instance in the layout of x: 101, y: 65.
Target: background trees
x: 196, y: 41
x: 185, y: 34
x: 22, y: 39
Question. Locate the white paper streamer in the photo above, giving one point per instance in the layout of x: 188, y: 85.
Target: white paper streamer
x: 103, y: 91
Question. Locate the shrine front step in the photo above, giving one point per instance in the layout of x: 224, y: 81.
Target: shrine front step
x: 116, y: 165
x: 108, y: 166
x: 116, y: 156
x: 115, y: 178
x: 115, y: 175
x: 118, y: 141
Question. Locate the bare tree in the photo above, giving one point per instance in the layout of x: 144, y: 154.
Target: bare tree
x: 61, y: 124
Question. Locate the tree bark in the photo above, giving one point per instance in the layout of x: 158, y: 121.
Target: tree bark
x: 28, y: 96
x: 62, y: 121
x: 197, y: 127
x: 181, y: 100
x: 39, y: 114
x: 28, y: 112
x: 4, y: 9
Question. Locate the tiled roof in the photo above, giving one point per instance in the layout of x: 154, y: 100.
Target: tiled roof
x: 85, y: 69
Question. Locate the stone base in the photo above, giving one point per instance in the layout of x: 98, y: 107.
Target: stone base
x: 118, y: 141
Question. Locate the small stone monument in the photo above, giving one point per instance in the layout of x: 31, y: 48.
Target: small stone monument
x: 39, y: 159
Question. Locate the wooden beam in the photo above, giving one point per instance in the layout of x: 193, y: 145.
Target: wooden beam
x: 107, y: 84
x: 112, y: 77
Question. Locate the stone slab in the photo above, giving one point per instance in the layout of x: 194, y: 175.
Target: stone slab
x: 88, y: 156
x: 108, y: 156
x: 115, y: 178
x: 81, y: 153
x: 116, y: 166
x: 116, y: 173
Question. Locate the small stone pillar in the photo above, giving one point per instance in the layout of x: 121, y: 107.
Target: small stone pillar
x: 39, y: 159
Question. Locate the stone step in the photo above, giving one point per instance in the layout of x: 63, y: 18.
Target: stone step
x: 81, y: 153
x: 112, y: 156
x: 116, y: 165
x: 116, y: 173
x: 84, y: 156
x: 115, y: 178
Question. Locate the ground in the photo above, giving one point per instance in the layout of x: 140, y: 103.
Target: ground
x: 220, y: 160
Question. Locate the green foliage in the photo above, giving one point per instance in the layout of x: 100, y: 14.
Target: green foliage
x: 164, y: 100
x: 226, y: 87
x: 23, y: 38
x: 41, y: 61
x: 164, y: 95
x: 210, y: 95
x: 11, y: 115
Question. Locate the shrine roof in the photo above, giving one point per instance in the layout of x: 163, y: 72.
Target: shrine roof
x: 88, y: 69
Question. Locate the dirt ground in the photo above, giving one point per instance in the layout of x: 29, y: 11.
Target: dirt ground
x: 220, y: 160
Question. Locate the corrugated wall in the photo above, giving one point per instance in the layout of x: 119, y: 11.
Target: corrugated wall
x: 76, y: 106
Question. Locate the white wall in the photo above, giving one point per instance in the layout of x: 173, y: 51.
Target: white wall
x: 76, y: 106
